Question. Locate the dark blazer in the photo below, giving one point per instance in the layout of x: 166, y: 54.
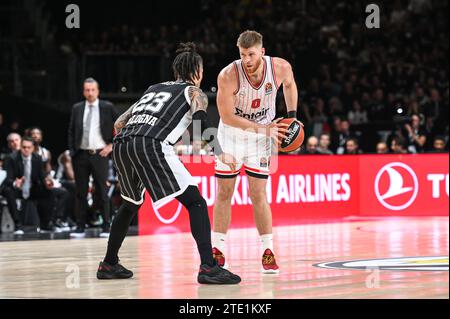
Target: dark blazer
x: 14, y: 169
x: 108, y: 116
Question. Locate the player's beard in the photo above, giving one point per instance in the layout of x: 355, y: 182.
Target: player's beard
x: 252, y: 70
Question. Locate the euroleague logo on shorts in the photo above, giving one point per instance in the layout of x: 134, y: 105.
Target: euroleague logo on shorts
x: 396, y: 186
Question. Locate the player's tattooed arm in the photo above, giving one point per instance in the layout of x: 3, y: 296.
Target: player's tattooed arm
x: 199, y: 100
x: 123, y: 119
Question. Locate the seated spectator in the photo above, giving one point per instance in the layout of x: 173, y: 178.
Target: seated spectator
x: 341, y: 136
x: 382, y: 148
x: 13, y: 140
x: 46, y: 155
x: 66, y: 177
x: 352, y: 147
x: 439, y: 145
x: 398, y: 145
x: 324, y: 144
x: 27, y: 180
x: 311, y: 146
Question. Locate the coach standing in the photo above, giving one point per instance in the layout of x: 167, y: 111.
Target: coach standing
x: 90, y: 143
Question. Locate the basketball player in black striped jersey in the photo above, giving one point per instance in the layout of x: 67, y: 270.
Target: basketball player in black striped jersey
x: 144, y: 158
x: 246, y: 101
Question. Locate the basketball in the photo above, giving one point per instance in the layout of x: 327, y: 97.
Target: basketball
x: 295, y: 136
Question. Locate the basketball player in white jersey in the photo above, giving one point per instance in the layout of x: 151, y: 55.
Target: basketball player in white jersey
x: 246, y: 96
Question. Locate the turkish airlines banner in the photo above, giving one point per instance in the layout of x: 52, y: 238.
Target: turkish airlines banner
x: 315, y: 187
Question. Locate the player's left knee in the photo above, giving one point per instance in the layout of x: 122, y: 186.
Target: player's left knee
x: 258, y: 196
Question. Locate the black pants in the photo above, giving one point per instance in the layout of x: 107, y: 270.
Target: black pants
x: 70, y: 205
x: 85, y: 164
x: 61, y: 196
x: 43, y: 198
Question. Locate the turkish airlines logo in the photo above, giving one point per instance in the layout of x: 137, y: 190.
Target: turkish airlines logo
x: 396, y: 186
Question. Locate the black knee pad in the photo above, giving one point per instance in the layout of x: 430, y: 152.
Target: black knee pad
x: 192, y: 198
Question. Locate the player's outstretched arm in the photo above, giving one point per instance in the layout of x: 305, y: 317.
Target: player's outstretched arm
x: 199, y: 104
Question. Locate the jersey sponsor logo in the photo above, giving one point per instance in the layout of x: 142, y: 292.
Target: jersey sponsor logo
x: 268, y: 88
x: 253, y: 116
x: 432, y: 263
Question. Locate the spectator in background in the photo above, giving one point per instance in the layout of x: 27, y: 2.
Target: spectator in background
x: 26, y: 179
x: 341, y: 136
x: 324, y: 144
x: 416, y: 135
x: 14, y: 141
x: 398, y: 145
x: 352, y: 147
x: 312, y: 144
x: 66, y: 177
x: 36, y: 135
x: 382, y: 148
x: 439, y: 145
x: 357, y: 115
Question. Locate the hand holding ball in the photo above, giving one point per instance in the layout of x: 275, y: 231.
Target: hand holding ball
x: 294, y: 136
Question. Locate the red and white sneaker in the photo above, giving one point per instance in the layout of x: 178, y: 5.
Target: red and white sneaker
x: 220, y: 258
x: 269, y: 264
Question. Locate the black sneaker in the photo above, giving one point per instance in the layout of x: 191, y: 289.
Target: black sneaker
x: 117, y: 271
x: 216, y: 275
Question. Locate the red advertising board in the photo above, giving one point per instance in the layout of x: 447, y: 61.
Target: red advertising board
x: 315, y: 187
x: 404, y: 185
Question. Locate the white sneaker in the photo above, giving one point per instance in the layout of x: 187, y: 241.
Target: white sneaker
x: 18, y: 232
x: 104, y: 235
x: 78, y: 234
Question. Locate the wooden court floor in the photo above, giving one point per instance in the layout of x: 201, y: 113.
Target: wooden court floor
x: 165, y: 265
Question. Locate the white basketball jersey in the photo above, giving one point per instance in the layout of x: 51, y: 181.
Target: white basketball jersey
x: 256, y: 103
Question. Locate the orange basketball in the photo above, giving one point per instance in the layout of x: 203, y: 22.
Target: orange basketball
x: 294, y: 137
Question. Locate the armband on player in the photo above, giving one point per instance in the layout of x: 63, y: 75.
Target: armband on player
x: 292, y: 114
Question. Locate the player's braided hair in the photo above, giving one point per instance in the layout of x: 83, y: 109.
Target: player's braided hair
x: 187, y: 63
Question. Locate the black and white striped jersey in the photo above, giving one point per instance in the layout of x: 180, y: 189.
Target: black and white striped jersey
x: 162, y: 113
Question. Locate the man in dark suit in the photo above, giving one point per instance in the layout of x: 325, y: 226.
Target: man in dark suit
x: 90, y: 144
x: 26, y: 179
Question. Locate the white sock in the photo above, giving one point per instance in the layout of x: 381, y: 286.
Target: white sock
x: 266, y: 242
x: 218, y: 241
